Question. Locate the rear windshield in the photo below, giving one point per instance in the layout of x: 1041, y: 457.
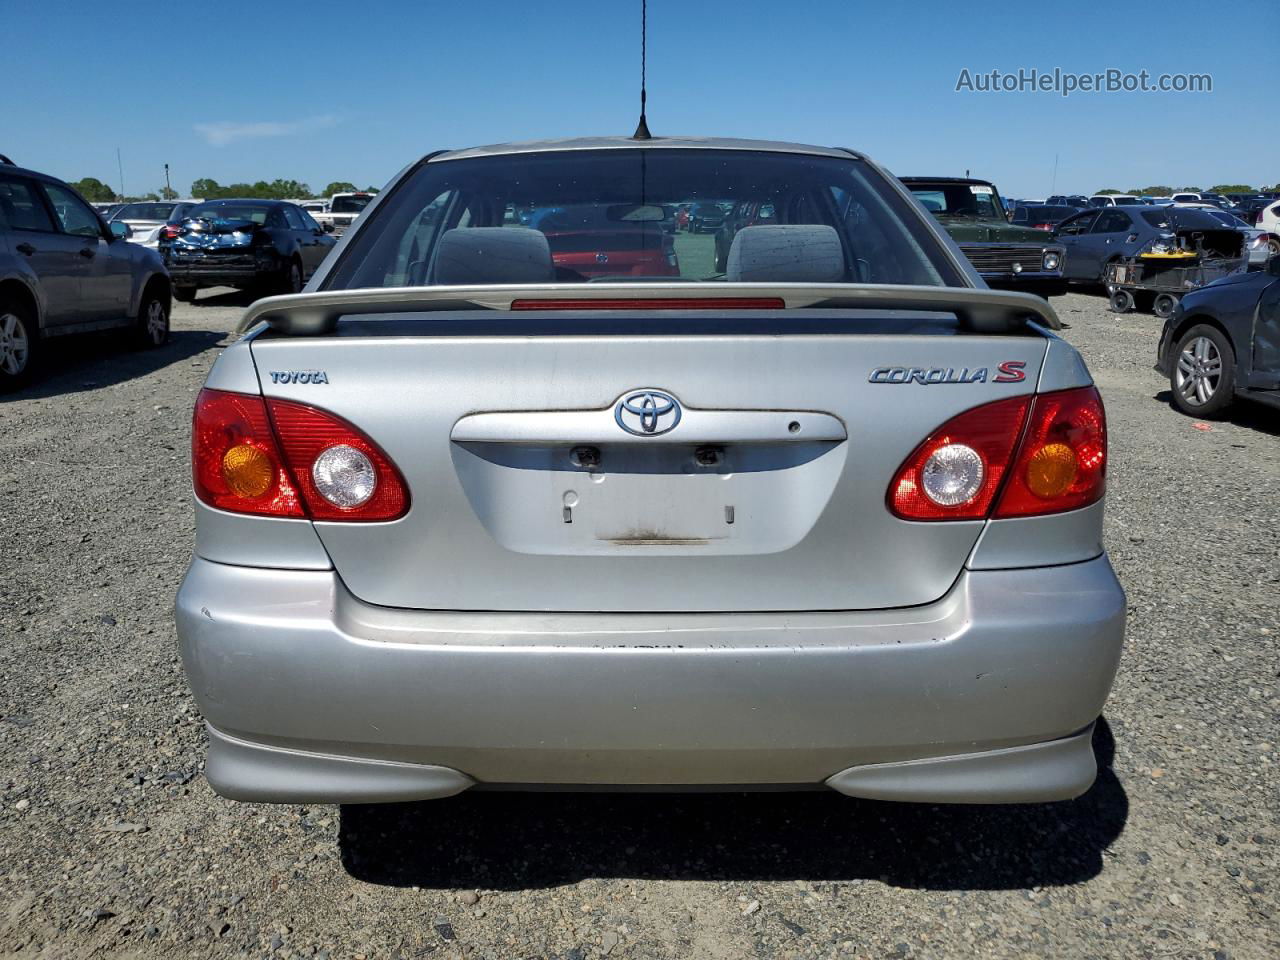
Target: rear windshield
x: 971, y: 200
x: 253, y: 212
x: 350, y: 204
x: 144, y: 211
x: 608, y: 215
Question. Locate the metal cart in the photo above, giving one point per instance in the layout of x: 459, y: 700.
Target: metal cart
x: 1162, y: 278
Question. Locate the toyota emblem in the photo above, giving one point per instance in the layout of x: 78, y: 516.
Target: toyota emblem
x: 647, y: 413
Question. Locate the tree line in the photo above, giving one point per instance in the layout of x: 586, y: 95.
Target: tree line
x: 1170, y: 191
x: 95, y: 191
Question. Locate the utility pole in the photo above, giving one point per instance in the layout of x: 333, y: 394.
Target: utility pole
x: 168, y: 190
x: 120, y: 167
x: 1053, y: 187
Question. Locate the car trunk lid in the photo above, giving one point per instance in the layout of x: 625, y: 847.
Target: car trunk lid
x: 537, y: 484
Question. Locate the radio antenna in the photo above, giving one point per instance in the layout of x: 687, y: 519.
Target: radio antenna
x: 642, y: 131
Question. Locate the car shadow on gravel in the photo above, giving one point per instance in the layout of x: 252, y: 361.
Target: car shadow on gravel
x: 78, y: 364
x: 517, y: 841
x: 1242, y: 413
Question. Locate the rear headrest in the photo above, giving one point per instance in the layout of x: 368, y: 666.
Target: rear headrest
x: 803, y: 253
x: 493, y: 255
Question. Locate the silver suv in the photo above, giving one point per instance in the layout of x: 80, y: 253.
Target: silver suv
x: 64, y: 271
x: 518, y: 494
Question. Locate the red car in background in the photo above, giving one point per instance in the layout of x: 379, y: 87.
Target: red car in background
x: 588, y: 242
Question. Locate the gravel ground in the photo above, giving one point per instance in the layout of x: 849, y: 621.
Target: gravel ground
x: 111, y: 844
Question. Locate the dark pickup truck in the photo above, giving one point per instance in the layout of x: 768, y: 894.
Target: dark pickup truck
x: 1008, y: 257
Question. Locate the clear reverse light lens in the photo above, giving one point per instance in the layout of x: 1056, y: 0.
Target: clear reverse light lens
x: 952, y: 475
x: 344, y: 476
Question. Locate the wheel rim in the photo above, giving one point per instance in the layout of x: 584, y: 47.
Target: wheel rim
x: 15, y: 346
x: 157, y: 322
x: 1199, y: 371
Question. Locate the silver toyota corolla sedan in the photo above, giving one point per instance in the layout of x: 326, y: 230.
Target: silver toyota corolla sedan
x: 522, y: 492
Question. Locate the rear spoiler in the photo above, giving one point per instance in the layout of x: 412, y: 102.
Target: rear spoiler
x: 979, y: 311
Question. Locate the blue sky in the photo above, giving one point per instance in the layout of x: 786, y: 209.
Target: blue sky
x: 327, y: 91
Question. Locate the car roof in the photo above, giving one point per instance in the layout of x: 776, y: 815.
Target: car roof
x: 629, y: 143
x: 969, y: 180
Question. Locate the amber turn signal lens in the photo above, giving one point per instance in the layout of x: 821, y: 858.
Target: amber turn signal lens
x: 247, y: 470
x: 1051, y: 470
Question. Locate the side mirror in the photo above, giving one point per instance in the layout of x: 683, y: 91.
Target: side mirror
x: 327, y: 227
x: 120, y: 230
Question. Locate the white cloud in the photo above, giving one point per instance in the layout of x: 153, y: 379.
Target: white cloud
x: 224, y: 132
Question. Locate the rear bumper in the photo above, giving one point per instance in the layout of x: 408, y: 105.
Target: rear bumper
x: 986, y: 695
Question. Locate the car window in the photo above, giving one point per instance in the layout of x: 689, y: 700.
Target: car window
x: 1020, y: 214
x: 1078, y: 224
x: 144, y: 211
x: 276, y: 220
x: 294, y: 217
x: 21, y: 207
x: 959, y: 200
x: 229, y: 210
x: 590, y: 206
x: 1112, y: 221
x: 308, y: 221
x: 72, y: 212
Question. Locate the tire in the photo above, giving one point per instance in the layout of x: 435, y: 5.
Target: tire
x: 290, y: 279
x: 19, y: 345
x: 1164, y: 305
x: 184, y: 294
x: 1121, y: 301
x: 1203, y: 377
x: 151, y: 329
x: 1273, y: 244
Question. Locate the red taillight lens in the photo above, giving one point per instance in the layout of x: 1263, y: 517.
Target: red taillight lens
x: 652, y: 303
x: 962, y: 470
x: 235, y: 462
x: 273, y: 457
x: 170, y: 231
x: 306, y: 435
x: 955, y: 473
x: 1062, y: 461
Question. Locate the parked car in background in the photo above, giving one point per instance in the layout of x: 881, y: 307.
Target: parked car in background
x: 146, y: 218
x: 1256, y: 240
x: 1068, y: 200
x: 63, y: 271
x: 1186, y: 198
x: 1096, y: 238
x: 1223, y: 344
x: 706, y: 217
x: 1041, y: 217
x: 342, y: 209
x: 314, y: 206
x: 1217, y: 199
x: 265, y: 245
x: 460, y: 524
x: 1114, y: 200
x: 1268, y: 219
x: 1008, y: 256
x: 743, y: 214
x: 593, y: 242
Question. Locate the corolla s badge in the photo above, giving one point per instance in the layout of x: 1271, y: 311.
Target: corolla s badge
x: 647, y: 413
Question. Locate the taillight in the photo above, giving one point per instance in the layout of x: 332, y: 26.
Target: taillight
x: 171, y: 231
x: 341, y: 473
x: 236, y: 464
x: 284, y: 459
x: 956, y: 472
x: 1056, y: 442
x: 1062, y: 460
x: 655, y: 303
